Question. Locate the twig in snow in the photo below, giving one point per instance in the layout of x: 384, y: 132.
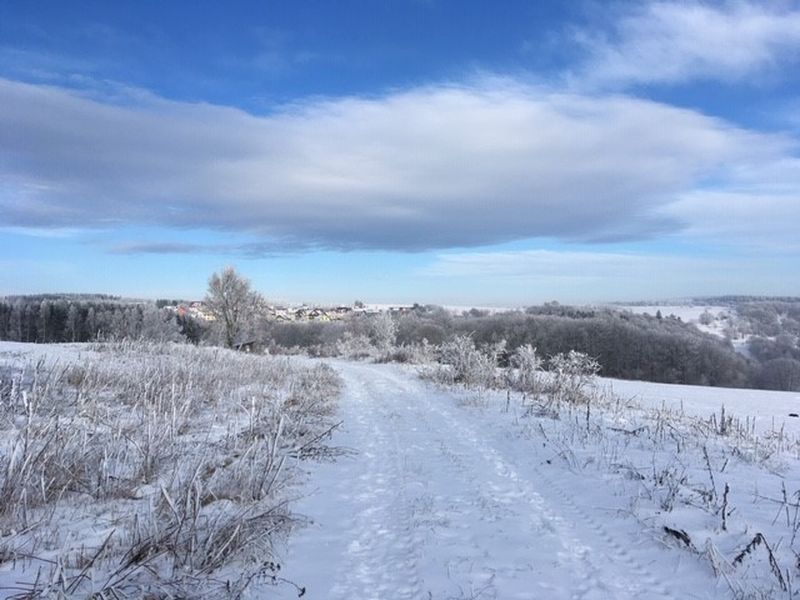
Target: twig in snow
x: 713, y: 494
x: 773, y: 563
x: 725, y: 507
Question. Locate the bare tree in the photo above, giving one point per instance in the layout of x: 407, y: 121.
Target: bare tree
x: 232, y: 302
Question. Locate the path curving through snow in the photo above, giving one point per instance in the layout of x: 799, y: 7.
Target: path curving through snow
x: 446, y: 501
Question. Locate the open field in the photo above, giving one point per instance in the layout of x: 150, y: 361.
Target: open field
x: 150, y: 470
x: 186, y: 471
x: 462, y: 493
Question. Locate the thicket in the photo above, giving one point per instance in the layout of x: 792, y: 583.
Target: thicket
x: 773, y: 331
x: 770, y: 318
x: 625, y: 345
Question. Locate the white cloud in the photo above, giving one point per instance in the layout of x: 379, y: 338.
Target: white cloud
x: 529, y: 276
x: 432, y: 167
x: 742, y: 219
x: 543, y: 264
x: 674, y: 42
x: 757, y: 206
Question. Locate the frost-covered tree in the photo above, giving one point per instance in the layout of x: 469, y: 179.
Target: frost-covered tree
x: 73, y: 323
x: 43, y: 324
x: 159, y: 324
x: 232, y: 301
x: 15, y: 321
x: 383, y: 332
x: 91, y: 323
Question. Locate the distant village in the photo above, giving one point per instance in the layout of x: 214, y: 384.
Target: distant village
x: 302, y: 313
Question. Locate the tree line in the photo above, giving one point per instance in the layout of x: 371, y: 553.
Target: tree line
x: 625, y: 345
x: 83, y: 318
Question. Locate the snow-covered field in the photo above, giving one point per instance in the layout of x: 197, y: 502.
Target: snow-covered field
x: 446, y: 492
x: 452, y: 496
x: 687, y: 313
x: 767, y: 409
x: 138, y: 470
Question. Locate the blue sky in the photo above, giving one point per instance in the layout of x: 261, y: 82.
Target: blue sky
x: 468, y: 153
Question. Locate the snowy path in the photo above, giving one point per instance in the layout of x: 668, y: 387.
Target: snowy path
x: 445, y: 501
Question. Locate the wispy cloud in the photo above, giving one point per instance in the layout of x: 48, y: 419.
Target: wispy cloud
x: 534, y: 275
x: 44, y: 232
x: 540, y: 264
x: 736, y: 218
x: 40, y: 65
x: 159, y: 248
x: 434, y: 167
x: 676, y: 42
x: 277, y: 52
x: 248, y: 249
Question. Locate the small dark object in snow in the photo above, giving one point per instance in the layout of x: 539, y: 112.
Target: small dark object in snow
x: 679, y: 534
x: 794, y: 415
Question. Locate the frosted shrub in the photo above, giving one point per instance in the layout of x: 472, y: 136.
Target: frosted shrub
x: 355, y: 346
x: 382, y: 332
x: 572, y: 373
x: 466, y: 364
x: 415, y: 354
x: 527, y: 365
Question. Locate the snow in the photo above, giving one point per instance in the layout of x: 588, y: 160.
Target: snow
x: 691, y: 314
x: 770, y: 410
x: 451, y: 493
x: 113, y: 434
x: 687, y: 313
x: 446, y: 500
x: 34, y: 352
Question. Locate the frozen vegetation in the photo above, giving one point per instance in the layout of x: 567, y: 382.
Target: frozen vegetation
x: 525, y: 484
x: 161, y: 470
x: 134, y: 470
x: 724, y: 342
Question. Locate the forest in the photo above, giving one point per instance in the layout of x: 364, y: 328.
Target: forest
x: 55, y: 318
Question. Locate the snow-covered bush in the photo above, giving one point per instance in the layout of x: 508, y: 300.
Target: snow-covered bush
x: 573, y: 373
x: 461, y: 362
x: 382, y: 331
x: 415, y: 354
x: 526, y: 365
x: 354, y: 346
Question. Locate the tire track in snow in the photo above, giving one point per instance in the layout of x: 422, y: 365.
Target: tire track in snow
x: 493, y: 479
x: 380, y: 559
x: 576, y: 554
x: 439, y: 505
x: 589, y: 542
